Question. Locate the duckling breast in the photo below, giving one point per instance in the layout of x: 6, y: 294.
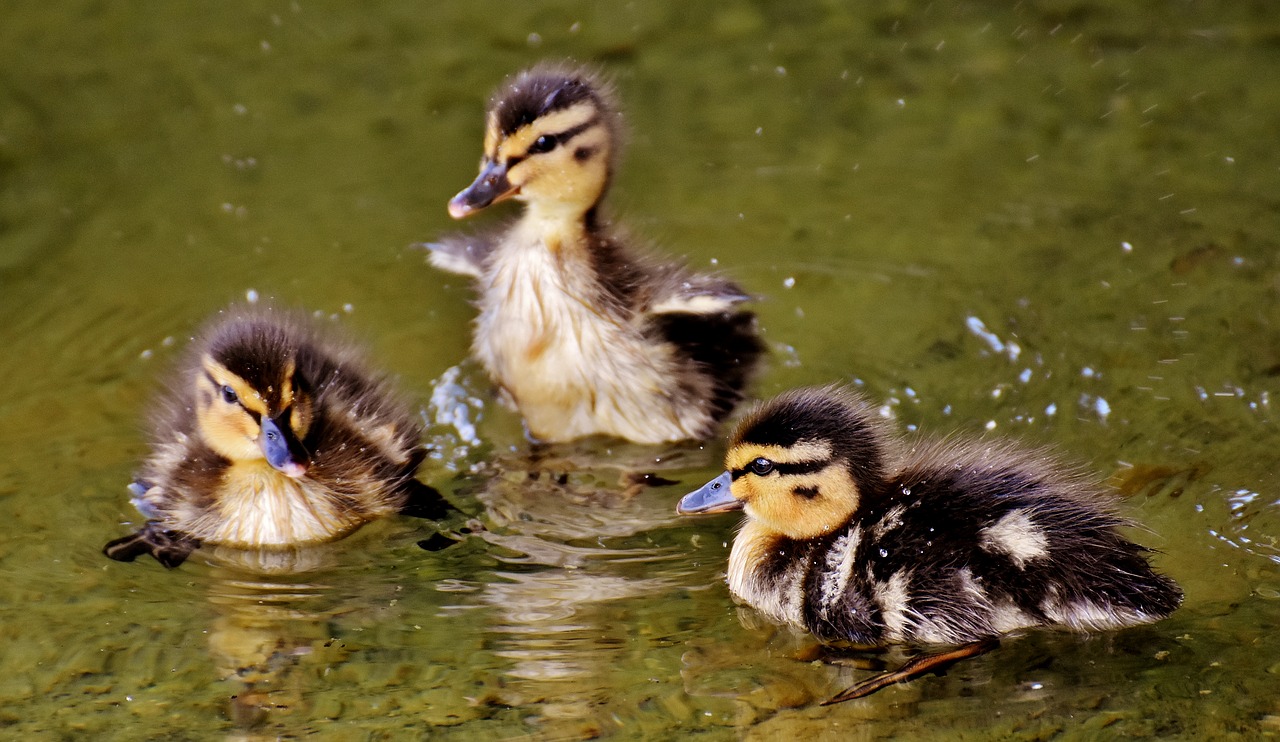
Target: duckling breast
x: 259, y: 507
x: 573, y: 360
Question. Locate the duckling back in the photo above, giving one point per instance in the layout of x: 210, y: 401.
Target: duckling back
x: 275, y: 434
x: 973, y: 543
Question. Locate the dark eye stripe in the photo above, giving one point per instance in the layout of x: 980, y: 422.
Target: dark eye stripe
x: 256, y: 416
x: 562, y: 138
x: 796, y: 467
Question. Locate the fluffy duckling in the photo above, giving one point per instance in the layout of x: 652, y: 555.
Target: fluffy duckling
x: 273, y: 435
x: 947, y: 542
x: 584, y: 335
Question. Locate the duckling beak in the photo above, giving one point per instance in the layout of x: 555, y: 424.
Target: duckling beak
x: 278, y: 446
x: 712, y: 497
x: 490, y: 187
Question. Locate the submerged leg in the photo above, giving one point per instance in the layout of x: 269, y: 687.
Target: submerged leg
x: 423, y: 501
x: 916, y: 667
x: 170, y: 548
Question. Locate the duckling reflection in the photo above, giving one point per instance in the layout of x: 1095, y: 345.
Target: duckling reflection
x: 271, y: 618
x: 278, y: 618
x: 273, y: 435
x: 572, y: 548
x: 583, y: 333
x: 947, y: 543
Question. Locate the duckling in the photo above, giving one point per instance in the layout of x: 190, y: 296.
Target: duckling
x: 583, y: 334
x: 273, y: 435
x: 855, y: 537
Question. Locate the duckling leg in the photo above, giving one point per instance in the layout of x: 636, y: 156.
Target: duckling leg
x: 423, y: 501
x: 170, y: 548
x: 922, y: 665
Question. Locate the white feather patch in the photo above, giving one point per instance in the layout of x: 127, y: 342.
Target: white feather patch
x: 1017, y: 537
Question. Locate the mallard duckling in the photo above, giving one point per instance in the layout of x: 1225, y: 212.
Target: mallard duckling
x: 273, y: 435
x: 584, y: 335
x: 944, y: 542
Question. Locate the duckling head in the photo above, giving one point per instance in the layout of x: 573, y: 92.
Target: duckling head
x: 251, y: 402
x: 799, y: 465
x: 549, y: 141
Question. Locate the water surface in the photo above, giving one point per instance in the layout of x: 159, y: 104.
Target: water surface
x: 1057, y: 222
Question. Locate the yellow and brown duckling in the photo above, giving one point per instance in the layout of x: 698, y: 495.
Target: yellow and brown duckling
x: 854, y: 536
x: 273, y: 435
x: 583, y: 334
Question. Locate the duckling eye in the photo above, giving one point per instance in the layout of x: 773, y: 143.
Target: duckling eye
x: 761, y: 466
x: 544, y: 143
x: 229, y: 395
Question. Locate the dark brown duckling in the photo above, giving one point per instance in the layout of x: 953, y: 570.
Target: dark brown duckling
x: 853, y: 537
x: 273, y: 435
x: 584, y: 334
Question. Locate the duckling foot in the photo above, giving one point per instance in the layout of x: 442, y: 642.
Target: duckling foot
x: 170, y: 548
x: 426, y: 502
x: 922, y: 665
x: 444, y: 539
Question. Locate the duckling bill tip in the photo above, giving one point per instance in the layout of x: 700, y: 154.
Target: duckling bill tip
x: 713, y: 497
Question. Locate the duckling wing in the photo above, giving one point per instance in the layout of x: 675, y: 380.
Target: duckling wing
x: 695, y: 294
x: 463, y: 254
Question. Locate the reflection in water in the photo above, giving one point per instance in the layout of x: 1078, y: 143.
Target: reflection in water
x: 271, y: 615
x: 571, y: 535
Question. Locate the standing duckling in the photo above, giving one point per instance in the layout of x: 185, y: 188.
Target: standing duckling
x: 273, y: 435
x: 946, y: 542
x: 584, y: 335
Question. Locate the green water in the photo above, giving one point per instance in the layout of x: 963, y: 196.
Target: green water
x: 1057, y: 221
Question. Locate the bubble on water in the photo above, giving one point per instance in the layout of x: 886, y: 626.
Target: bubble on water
x: 251, y: 296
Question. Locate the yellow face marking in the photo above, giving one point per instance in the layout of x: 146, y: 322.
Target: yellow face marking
x: 740, y: 456
x: 799, y: 505
x: 556, y: 176
x: 491, y: 137
x: 248, y: 396
x: 286, y: 385
x: 227, y: 427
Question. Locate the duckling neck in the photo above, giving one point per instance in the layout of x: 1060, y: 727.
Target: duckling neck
x: 767, y: 571
x: 554, y: 227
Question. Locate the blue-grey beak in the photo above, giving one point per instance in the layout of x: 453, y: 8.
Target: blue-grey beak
x: 276, y: 446
x: 712, y: 497
x: 489, y: 187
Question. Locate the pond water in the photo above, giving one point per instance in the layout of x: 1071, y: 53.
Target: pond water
x: 1056, y: 221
